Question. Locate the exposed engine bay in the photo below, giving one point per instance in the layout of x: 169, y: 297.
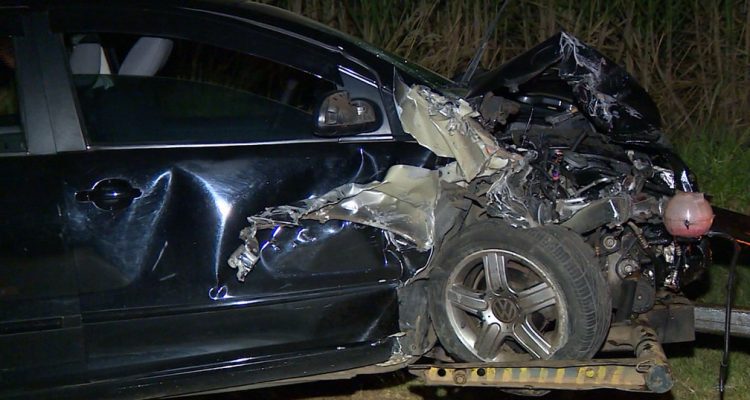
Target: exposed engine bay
x: 613, y: 194
x: 568, y: 139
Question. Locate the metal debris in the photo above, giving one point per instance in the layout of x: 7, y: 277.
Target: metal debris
x: 585, y: 73
x: 449, y: 129
x: 244, y: 258
x: 404, y: 204
x: 604, y: 91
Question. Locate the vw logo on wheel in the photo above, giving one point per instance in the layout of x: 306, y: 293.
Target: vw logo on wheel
x: 505, y: 309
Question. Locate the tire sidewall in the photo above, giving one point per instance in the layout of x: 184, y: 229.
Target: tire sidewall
x: 547, y: 252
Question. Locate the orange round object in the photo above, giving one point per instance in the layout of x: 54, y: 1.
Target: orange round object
x: 688, y: 214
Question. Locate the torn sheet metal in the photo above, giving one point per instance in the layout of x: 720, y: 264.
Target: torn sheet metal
x: 588, y: 73
x: 448, y: 128
x: 246, y: 256
x: 507, y: 199
x: 604, y: 91
x: 403, y: 203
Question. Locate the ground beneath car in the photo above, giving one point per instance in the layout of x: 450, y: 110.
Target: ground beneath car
x: 691, y: 367
x: 695, y: 366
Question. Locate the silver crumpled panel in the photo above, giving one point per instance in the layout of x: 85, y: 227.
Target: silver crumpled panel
x: 448, y: 128
x: 404, y: 202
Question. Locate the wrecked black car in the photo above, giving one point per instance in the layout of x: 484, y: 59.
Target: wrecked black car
x: 336, y: 211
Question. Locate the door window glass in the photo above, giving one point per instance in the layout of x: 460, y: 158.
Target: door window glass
x: 146, y: 90
x: 11, y: 135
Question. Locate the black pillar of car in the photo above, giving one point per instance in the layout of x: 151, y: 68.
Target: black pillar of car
x: 52, y: 76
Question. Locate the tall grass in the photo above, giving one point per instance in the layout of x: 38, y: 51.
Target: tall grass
x: 693, y: 56
x: 721, y: 160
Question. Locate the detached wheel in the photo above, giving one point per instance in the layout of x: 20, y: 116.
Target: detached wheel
x: 504, y: 294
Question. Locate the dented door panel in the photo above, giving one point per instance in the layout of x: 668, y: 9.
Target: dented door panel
x: 163, y: 257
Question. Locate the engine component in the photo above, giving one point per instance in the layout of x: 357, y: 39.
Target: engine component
x: 496, y: 109
x: 645, y: 296
x: 627, y: 267
x: 612, y: 211
x: 610, y: 243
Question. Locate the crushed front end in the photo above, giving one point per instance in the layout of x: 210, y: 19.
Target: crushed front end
x: 558, y: 137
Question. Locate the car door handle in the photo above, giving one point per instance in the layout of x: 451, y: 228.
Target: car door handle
x: 110, y: 194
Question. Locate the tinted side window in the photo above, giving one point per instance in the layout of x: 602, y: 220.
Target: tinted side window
x: 145, y: 90
x: 11, y: 135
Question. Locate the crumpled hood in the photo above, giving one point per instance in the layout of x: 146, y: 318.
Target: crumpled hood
x: 606, y: 93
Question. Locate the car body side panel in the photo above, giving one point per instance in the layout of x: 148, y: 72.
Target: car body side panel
x: 41, y: 340
x: 267, y: 328
x: 161, y: 262
x: 240, y: 372
x: 40, y: 334
x: 157, y: 294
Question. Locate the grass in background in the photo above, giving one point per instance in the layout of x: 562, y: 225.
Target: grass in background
x: 720, y: 158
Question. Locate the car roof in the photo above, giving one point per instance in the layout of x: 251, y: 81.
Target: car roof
x: 237, y: 8
x: 264, y: 14
x: 274, y: 16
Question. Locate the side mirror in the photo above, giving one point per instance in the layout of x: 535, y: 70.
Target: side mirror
x: 338, y: 115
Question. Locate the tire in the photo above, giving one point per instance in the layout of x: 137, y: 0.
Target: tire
x: 555, y: 303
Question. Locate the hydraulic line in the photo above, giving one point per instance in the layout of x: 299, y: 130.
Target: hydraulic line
x: 724, y: 367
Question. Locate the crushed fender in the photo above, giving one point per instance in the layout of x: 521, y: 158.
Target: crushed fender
x: 449, y: 128
x: 404, y: 202
x: 606, y: 92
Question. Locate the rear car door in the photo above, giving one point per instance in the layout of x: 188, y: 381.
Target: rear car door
x: 218, y: 127
x: 41, y: 341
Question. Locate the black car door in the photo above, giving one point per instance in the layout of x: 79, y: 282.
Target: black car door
x: 41, y: 342
x: 178, y: 157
